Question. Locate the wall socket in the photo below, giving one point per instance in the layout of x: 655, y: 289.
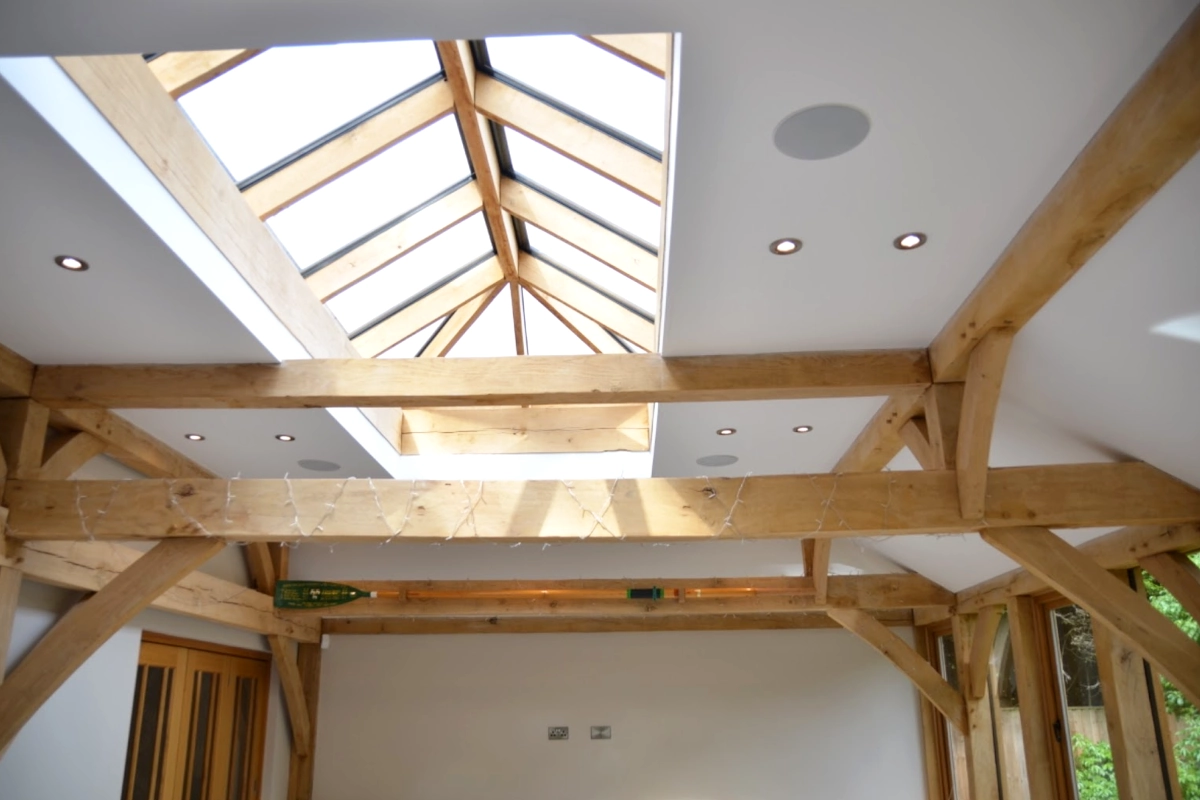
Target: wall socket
x: 557, y: 733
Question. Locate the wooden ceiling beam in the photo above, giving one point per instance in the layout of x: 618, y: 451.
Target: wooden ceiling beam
x: 67, y: 452
x: 533, y: 380
x: 16, y: 374
x: 430, y: 308
x: 1121, y: 549
x: 593, y: 334
x: 647, y: 509
x: 575, y: 229
x: 454, y: 327
x: 181, y: 72
x: 880, y: 440
x: 650, y: 51
x: 644, y: 624
x: 1109, y: 601
x: 396, y: 241
x: 23, y: 428
x: 1151, y: 134
x: 981, y: 397
x: 335, y: 158
x: 526, y: 429
x: 539, y: 275
x: 576, y: 140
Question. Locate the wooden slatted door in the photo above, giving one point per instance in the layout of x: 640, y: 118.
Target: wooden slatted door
x: 198, y: 726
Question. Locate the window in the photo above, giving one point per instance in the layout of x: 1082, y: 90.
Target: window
x: 199, y: 717
x: 957, y: 742
x: 1081, y: 702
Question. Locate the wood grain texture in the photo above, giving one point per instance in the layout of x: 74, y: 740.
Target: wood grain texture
x: 89, y: 624
x: 300, y: 771
x: 129, y: 444
x: 980, y: 399
x: 67, y: 452
x: 647, y: 509
x: 650, y: 51
x: 983, y: 637
x: 1130, y: 617
x: 979, y: 731
x: 23, y: 426
x: 10, y: 590
x: 16, y: 374
x: 390, y: 244
x: 917, y: 669
x: 1036, y: 708
x: 291, y: 682
x: 820, y: 569
x: 943, y: 416
x: 1117, y: 550
x: 880, y: 440
x: 1147, y: 138
x: 526, y: 429
x: 576, y: 140
x: 915, y: 435
x: 533, y: 380
x: 181, y: 72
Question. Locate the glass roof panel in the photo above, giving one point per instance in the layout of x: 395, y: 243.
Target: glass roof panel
x: 546, y: 333
x: 282, y: 100
x: 584, y: 188
x: 597, y: 273
x: 413, y: 345
x: 591, y: 80
x: 373, y: 194
x: 491, y: 334
x: 413, y: 274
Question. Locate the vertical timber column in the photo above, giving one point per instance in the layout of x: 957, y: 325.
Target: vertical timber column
x: 300, y: 773
x: 10, y: 588
x: 982, y: 770
x: 1036, y: 717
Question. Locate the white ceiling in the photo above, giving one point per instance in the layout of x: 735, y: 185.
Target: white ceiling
x: 976, y: 110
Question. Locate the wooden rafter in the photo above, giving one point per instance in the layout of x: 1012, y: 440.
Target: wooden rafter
x: 180, y: 73
x: 529, y: 204
x: 456, y: 325
x: 387, y: 246
x: 67, y: 452
x: 430, y: 308
x: 650, y: 51
x: 1109, y: 601
x: 593, y: 334
x: 651, y: 509
x: 90, y: 624
x: 459, y: 64
x: 1151, y: 134
x: 880, y: 440
x: 576, y: 140
x: 304, y: 176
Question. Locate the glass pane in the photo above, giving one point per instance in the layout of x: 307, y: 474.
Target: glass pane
x: 413, y: 345
x: 1183, y: 718
x: 147, y: 734
x: 201, y: 734
x: 584, y: 188
x: 1006, y: 715
x: 589, y: 270
x: 239, y: 767
x: 578, y: 74
x: 1083, y: 704
x: 372, y: 194
x: 282, y: 100
x: 958, y: 744
x: 412, y: 274
x: 546, y: 333
x: 492, y: 334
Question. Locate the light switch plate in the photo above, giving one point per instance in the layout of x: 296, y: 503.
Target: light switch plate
x: 601, y: 731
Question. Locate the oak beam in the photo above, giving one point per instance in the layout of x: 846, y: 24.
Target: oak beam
x: 23, y: 426
x: 1117, y: 550
x: 648, y: 509
x: 531, y: 429
x: 1132, y: 619
x: 390, y: 244
x: 181, y: 72
x: 650, y: 51
x: 983, y: 636
x: 129, y: 444
x: 1151, y: 134
x: 283, y: 655
x: 915, y: 435
x: 880, y: 440
x: 1179, y: 575
x: 533, y: 380
x: 943, y: 417
x: 919, y: 671
x: 1035, y: 706
x: 10, y: 589
x: 90, y: 624
x: 576, y: 140
x: 981, y: 397
x: 16, y: 374
x: 67, y: 452
x: 820, y: 569
x: 300, y: 770
x: 979, y: 731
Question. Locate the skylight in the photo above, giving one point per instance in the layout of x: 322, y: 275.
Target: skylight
x: 535, y: 231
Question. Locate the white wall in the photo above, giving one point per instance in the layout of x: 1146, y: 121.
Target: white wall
x: 747, y: 715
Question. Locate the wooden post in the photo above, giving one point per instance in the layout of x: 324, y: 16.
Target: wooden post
x: 982, y: 773
x: 1036, y: 716
x: 300, y: 773
x: 932, y: 731
x: 10, y: 587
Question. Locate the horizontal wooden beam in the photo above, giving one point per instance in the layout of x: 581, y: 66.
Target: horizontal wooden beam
x: 650, y: 51
x: 650, y: 509
x: 1151, y: 134
x: 1117, y: 550
x: 90, y: 566
x: 180, y: 73
x: 443, y: 599
x: 388, y: 245
x: 643, y: 624
x: 337, y: 157
x: 576, y: 140
x: 532, y: 380
x: 526, y: 429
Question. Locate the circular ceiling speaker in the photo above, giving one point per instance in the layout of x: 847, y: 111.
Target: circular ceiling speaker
x: 716, y: 460
x: 820, y: 132
x: 319, y: 465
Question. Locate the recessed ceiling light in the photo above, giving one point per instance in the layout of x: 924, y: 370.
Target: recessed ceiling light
x: 726, y: 431
x: 285, y: 437
x: 785, y: 247
x: 909, y: 241
x: 802, y: 429
x: 71, y: 263
x: 193, y: 437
